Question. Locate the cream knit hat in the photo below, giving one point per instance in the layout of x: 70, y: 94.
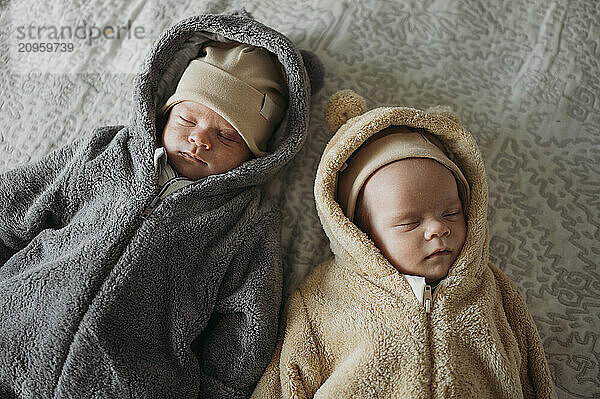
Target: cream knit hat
x: 242, y: 83
x: 399, y: 142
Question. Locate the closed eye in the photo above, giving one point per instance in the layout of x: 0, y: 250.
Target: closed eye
x: 228, y: 136
x: 407, y: 226
x: 185, y: 121
x: 452, y: 214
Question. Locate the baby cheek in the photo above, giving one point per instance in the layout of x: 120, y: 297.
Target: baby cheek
x: 239, y: 155
x: 166, y: 134
x: 401, y: 243
x: 461, y: 233
x: 172, y: 137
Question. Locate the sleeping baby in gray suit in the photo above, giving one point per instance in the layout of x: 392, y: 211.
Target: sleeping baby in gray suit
x: 144, y: 260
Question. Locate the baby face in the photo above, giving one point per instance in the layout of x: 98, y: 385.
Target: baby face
x: 199, y: 142
x: 412, y: 212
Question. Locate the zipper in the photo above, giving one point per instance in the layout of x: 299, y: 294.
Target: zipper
x: 429, y: 295
x: 151, y: 207
x: 168, y: 188
x: 427, y: 298
x: 428, y: 304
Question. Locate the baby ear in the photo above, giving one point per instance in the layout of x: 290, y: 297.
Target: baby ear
x: 445, y: 111
x: 315, y: 69
x: 343, y: 105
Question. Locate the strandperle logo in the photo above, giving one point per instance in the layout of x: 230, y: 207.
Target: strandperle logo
x: 89, y: 33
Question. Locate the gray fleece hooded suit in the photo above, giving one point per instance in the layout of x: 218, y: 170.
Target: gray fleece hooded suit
x: 106, y: 292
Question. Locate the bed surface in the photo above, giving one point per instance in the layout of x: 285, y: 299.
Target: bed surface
x: 523, y: 76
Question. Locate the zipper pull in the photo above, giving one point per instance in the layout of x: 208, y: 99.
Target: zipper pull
x: 427, y: 298
x: 151, y: 207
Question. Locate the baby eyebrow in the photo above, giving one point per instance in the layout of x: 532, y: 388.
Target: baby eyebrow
x: 454, y: 205
x: 403, y: 218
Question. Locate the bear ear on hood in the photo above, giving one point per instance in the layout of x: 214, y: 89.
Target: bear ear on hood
x: 342, y: 106
x: 315, y: 69
x: 239, y: 11
x: 445, y: 111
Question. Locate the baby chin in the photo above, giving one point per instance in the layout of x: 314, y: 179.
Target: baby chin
x: 436, y: 267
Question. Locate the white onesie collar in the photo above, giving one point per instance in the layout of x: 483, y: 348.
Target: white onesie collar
x: 417, y: 283
x: 165, y: 171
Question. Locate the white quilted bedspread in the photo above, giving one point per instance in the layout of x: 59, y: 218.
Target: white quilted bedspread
x: 523, y: 76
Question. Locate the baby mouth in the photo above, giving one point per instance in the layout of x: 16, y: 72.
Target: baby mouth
x: 192, y: 157
x: 439, y: 253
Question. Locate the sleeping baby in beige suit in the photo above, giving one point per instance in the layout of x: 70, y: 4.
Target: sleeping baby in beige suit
x: 409, y: 305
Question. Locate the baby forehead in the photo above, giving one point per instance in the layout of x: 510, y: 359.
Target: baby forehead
x: 412, y: 170
x: 410, y: 183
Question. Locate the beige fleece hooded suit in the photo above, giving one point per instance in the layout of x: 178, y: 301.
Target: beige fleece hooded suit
x: 355, y: 328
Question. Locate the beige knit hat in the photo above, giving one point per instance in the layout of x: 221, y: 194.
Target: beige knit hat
x: 399, y: 142
x: 242, y: 83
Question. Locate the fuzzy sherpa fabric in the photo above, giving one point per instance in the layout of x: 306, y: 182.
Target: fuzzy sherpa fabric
x: 354, y: 328
x: 105, y: 296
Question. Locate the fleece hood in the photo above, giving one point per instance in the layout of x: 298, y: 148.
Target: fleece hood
x: 347, y: 116
x: 162, y: 69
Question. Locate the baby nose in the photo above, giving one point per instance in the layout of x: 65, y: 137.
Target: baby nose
x: 436, y: 228
x: 201, y: 138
